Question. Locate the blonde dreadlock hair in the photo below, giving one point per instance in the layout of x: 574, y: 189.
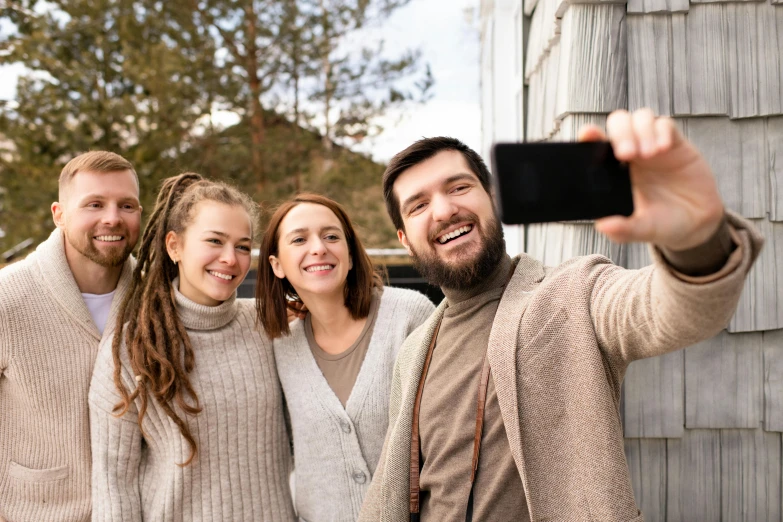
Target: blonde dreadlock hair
x: 159, y: 349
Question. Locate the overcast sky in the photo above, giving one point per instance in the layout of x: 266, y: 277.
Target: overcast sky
x: 449, y: 42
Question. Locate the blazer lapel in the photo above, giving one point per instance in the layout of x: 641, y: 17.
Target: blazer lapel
x: 411, y: 364
x: 502, y: 350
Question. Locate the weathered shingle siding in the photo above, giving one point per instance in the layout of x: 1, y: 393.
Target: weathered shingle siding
x: 703, y: 426
x: 693, y: 478
x: 723, y: 378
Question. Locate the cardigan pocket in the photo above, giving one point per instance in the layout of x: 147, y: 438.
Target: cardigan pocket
x: 47, y: 489
x: 19, y: 472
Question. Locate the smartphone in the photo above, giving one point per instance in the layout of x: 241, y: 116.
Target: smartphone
x: 551, y: 181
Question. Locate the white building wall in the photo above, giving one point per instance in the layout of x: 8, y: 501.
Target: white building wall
x: 502, y: 86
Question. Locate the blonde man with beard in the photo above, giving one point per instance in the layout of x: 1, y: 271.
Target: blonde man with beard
x: 55, y: 307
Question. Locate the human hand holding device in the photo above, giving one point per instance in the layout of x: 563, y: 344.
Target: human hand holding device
x: 675, y: 196
x: 676, y: 199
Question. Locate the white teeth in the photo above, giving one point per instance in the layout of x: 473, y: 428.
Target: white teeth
x: 108, y: 238
x: 454, y: 233
x: 318, y: 267
x: 221, y: 276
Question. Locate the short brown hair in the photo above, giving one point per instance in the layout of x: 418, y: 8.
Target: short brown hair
x: 421, y: 151
x: 94, y: 161
x: 273, y: 293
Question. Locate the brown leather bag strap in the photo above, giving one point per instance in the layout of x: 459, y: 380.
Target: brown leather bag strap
x: 415, y: 443
x: 414, y: 469
x: 481, y: 403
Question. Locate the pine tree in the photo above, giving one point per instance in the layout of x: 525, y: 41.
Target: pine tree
x: 358, y: 83
x: 144, y: 79
x: 101, y: 74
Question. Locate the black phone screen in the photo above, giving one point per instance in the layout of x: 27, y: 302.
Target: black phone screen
x: 540, y: 182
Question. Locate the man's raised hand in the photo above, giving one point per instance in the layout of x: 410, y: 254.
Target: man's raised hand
x: 676, y: 200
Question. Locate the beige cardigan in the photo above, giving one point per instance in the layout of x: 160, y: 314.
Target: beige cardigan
x: 48, y: 345
x: 559, y: 347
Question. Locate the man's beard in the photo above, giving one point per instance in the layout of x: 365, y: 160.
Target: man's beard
x: 112, y: 257
x: 465, y: 273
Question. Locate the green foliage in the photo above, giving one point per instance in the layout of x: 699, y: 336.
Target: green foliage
x: 142, y: 78
x: 105, y: 74
x: 350, y: 84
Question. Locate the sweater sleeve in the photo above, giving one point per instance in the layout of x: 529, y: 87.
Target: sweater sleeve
x: 649, y: 312
x: 373, y: 500
x: 6, y: 333
x: 116, y: 447
x: 410, y: 310
x: 5, y: 345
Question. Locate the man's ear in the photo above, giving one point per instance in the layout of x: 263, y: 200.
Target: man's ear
x: 58, y: 215
x: 172, y: 246
x: 404, y: 240
x: 277, y: 268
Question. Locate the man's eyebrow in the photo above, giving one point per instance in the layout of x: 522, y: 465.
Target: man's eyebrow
x: 92, y: 196
x: 100, y: 197
x: 410, y: 200
x: 459, y: 177
x: 451, y: 179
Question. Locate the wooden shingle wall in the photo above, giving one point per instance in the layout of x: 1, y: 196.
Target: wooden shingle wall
x: 703, y: 426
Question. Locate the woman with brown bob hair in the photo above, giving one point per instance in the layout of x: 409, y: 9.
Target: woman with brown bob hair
x: 186, y: 409
x: 336, y: 364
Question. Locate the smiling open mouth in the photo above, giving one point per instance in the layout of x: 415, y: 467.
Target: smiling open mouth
x: 109, y: 239
x: 318, y: 268
x: 454, y: 234
x: 225, y: 277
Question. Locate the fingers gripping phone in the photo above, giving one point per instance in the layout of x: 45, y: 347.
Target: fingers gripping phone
x: 540, y: 182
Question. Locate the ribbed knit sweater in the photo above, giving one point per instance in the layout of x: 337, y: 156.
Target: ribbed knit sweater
x: 242, y: 468
x: 48, y: 345
x: 336, y: 449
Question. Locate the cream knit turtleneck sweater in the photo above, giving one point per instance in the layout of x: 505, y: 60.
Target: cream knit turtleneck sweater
x: 48, y: 345
x: 242, y: 468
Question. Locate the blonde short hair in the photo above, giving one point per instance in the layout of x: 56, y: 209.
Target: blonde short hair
x: 100, y: 161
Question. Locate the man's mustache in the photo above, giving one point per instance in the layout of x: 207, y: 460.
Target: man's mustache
x: 470, y: 219
x: 121, y: 231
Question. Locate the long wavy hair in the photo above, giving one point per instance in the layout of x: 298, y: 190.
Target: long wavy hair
x: 160, y: 353
x: 273, y: 293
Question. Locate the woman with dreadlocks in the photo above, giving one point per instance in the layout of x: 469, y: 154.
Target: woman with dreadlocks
x: 185, y: 404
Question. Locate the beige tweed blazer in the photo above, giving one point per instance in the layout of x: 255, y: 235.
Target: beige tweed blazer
x: 559, y: 347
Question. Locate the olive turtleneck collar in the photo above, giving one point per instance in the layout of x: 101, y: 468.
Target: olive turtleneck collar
x: 497, y: 279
